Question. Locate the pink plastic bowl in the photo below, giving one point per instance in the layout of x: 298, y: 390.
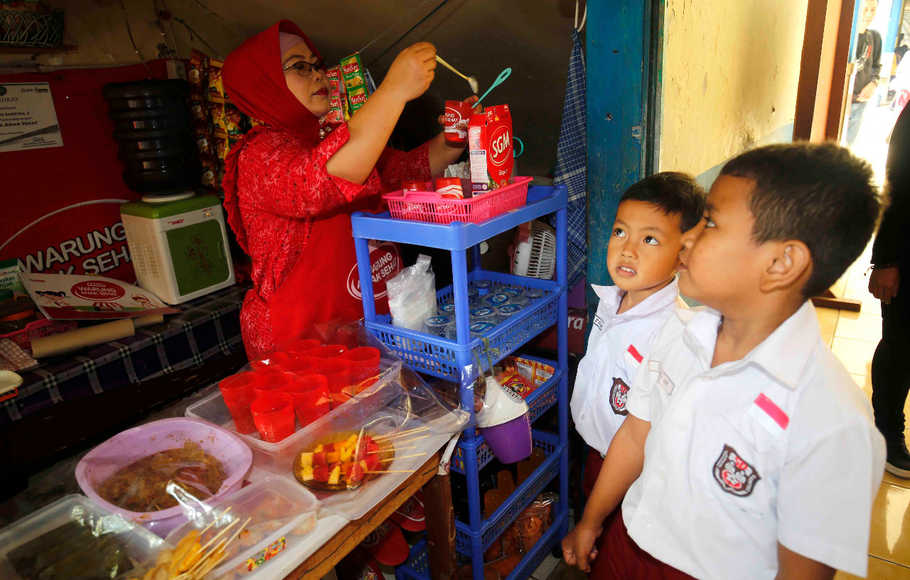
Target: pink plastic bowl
x: 138, y: 442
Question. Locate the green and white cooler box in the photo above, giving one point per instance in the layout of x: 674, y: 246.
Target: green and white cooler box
x: 179, y: 247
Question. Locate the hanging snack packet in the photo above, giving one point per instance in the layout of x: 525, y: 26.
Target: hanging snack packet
x: 215, y: 91
x: 490, y: 144
x: 196, y: 73
x: 336, y: 96
x: 354, y: 81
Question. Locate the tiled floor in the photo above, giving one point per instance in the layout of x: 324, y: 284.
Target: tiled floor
x: 852, y: 337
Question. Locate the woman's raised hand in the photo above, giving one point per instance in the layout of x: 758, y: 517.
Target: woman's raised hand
x: 412, y: 71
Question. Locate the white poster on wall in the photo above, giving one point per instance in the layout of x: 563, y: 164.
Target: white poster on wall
x: 28, y: 119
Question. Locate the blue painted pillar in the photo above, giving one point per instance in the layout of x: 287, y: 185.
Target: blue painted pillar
x: 617, y: 49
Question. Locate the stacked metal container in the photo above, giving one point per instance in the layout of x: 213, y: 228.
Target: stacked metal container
x: 152, y: 129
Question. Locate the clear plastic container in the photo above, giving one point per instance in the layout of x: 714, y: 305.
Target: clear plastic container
x: 483, y: 314
x: 437, y: 324
x: 516, y: 295
x: 412, y: 451
x: 481, y: 328
x: 496, y: 299
x: 89, y: 527
x: 508, y: 310
x: 279, y: 457
x: 448, y: 309
x: 482, y: 286
x: 133, y: 444
x: 283, y: 515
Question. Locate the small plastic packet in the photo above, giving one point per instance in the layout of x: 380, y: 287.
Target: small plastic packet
x: 412, y: 295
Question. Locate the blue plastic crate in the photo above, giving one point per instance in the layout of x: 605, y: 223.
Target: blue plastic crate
x: 436, y: 356
x: 529, y: 489
x: 417, y: 567
x: 539, y: 402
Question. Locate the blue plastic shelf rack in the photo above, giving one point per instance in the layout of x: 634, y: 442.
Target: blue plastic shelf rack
x: 439, y: 356
x: 455, y: 359
x: 417, y: 566
x: 539, y: 402
x: 518, y: 500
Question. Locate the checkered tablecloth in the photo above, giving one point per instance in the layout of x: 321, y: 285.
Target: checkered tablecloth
x: 206, y: 327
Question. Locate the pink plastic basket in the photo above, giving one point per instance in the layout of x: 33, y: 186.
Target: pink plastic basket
x: 138, y: 442
x: 429, y: 206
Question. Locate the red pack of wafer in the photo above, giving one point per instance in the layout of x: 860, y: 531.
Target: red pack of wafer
x: 490, y: 144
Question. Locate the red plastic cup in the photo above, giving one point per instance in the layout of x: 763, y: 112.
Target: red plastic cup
x: 457, y: 115
x: 271, y: 381
x: 300, y: 346
x: 238, y: 392
x: 310, y: 396
x: 288, y: 361
x: 364, y: 362
x: 326, y: 351
x: 337, y: 372
x: 273, y: 415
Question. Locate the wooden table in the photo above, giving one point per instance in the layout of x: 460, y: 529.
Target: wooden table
x: 440, y: 527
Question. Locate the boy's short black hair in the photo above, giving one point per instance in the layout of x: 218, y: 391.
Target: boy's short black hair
x: 674, y: 193
x: 819, y: 194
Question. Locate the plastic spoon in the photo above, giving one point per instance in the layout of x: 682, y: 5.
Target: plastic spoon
x: 471, y: 80
x: 506, y: 72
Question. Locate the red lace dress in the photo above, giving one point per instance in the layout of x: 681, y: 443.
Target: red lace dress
x: 296, y: 222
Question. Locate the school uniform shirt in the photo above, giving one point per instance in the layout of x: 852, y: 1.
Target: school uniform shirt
x: 776, y: 447
x: 616, y: 346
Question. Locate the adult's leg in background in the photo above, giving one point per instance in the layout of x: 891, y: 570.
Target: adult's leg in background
x: 854, y: 121
x: 891, y: 382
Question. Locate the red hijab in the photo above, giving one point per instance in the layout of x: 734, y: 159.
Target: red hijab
x: 254, y: 82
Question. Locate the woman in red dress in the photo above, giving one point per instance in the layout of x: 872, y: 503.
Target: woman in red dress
x: 289, y: 192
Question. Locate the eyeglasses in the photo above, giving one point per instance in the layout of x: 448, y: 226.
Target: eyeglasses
x: 304, y: 68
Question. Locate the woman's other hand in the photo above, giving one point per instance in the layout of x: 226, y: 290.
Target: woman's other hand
x: 884, y: 283
x: 412, y: 71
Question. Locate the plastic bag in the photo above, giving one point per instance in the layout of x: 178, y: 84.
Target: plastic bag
x: 73, y: 538
x: 412, y: 295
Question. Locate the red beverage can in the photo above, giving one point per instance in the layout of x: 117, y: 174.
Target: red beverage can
x: 457, y: 115
x: 449, y: 187
x: 413, y: 186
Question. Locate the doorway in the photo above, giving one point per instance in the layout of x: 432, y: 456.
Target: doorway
x: 879, y: 87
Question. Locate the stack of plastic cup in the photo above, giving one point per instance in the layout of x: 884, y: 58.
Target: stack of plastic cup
x: 481, y: 328
x: 363, y: 364
x: 237, y: 391
x: 483, y: 314
x: 496, y: 299
x: 273, y: 415
x: 483, y: 287
x: 506, y: 311
x: 437, y: 324
x: 310, y: 397
x: 516, y: 295
x: 534, y: 293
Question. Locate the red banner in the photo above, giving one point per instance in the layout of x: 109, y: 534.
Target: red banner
x: 61, y: 210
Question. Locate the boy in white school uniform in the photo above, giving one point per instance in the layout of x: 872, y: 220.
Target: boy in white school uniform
x: 642, y: 257
x: 748, y: 451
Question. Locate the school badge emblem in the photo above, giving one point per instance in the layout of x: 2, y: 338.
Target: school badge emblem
x: 619, y: 392
x: 733, y: 474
